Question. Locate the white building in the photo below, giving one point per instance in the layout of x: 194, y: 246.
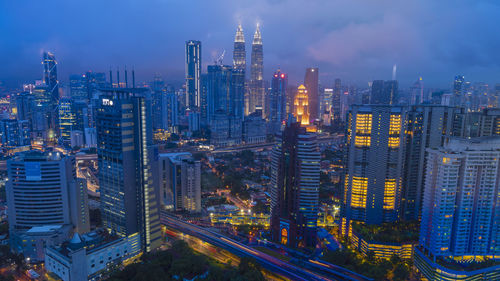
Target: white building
x: 461, y: 207
x: 89, y: 256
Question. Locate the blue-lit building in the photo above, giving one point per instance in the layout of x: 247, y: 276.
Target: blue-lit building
x: 127, y: 161
x: 295, y: 187
x: 14, y: 132
x: 50, y: 76
x: 277, y: 101
x: 193, y: 74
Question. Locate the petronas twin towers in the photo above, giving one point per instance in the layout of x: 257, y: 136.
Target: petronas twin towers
x: 254, y: 97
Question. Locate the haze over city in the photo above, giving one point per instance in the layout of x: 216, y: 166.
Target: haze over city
x: 355, y: 41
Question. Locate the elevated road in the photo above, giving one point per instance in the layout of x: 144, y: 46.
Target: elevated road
x: 307, y: 271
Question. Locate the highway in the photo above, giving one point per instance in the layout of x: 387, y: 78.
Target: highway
x: 306, y: 271
x: 271, y: 263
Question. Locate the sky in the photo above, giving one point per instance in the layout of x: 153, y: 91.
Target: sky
x: 356, y: 41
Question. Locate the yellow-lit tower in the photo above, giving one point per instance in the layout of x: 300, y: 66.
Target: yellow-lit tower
x: 301, y: 106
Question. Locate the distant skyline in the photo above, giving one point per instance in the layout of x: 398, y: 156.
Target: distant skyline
x: 355, y: 41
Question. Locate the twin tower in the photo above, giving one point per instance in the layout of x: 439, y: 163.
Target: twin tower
x: 254, y: 98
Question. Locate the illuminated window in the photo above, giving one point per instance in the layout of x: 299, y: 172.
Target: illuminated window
x: 393, y: 142
x: 284, y: 236
x: 346, y: 184
x: 363, y: 124
x: 446, y: 160
x: 395, y: 125
x: 390, y: 194
x: 358, y: 192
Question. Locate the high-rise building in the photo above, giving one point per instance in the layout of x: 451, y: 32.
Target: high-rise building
x: 14, y: 133
x: 193, y: 74
x: 417, y: 92
x: 301, y: 106
x: 311, y: 82
x: 336, y: 100
x: 277, y: 101
x: 254, y: 128
x: 458, y: 89
x: 50, y: 76
x: 181, y: 181
x: 239, y: 53
x: 126, y: 160
x: 83, y: 87
x: 225, y: 91
x: 374, y: 164
x: 384, y: 92
x: 43, y: 190
x: 257, y: 73
x: 477, y: 124
x: 66, y: 119
x: 460, y: 214
x: 428, y: 126
x: 295, y: 187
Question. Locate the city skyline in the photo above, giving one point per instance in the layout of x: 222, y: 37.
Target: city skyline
x: 335, y: 41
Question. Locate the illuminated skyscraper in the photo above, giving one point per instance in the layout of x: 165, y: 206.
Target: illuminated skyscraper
x: 239, y: 54
x: 277, y: 100
x: 129, y: 194
x: 311, y: 81
x: 295, y: 187
x: 301, y: 106
x: 374, y: 168
x: 458, y: 89
x: 193, y: 74
x: 50, y: 75
x: 66, y: 119
x: 257, y: 73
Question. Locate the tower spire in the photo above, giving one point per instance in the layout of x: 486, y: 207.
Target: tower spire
x: 239, y: 35
x: 257, y: 38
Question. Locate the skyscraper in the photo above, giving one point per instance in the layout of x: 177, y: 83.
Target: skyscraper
x: 50, y: 75
x: 193, y: 74
x: 277, y: 100
x: 66, y: 119
x: 295, y: 187
x: 301, y: 106
x: 428, y: 126
x: 461, y: 214
x: 374, y: 166
x: 239, y: 53
x: 458, y: 89
x: 311, y: 81
x: 384, y: 92
x: 129, y: 195
x: 257, y: 73
x: 336, y: 103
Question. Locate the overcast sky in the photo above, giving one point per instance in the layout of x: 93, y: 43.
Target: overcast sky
x: 357, y: 40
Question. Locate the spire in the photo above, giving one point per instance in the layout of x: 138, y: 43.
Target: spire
x: 239, y: 35
x: 257, y: 38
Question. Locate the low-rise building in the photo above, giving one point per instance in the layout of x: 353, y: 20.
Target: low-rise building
x: 90, y: 256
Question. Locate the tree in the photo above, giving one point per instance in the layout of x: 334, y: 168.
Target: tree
x: 401, y: 272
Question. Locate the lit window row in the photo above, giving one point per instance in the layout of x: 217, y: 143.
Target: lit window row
x: 358, y: 192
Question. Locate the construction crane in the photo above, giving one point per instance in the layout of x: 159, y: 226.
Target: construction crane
x: 220, y: 59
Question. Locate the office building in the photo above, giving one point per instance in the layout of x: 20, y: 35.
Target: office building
x: 45, y: 199
x: 417, y: 92
x: 277, y: 101
x: 14, y: 133
x: 374, y: 164
x: 461, y: 214
x: 458, y: 90
x: 129, y: 194
x: 180, y: 177
x: 239, y: 53
x: 311, y: 82
x: 84, y: 87
x: 428, y: 126
x: 384, y: 92
x: 295, y: 187
x: 66, y: 120
x: 89, y: 256
x: 336, y: 100
x: 254, y: 128
x: 193, y: 74
x: 257, y: 73
x: 301, y: 109
x: 50, y: 76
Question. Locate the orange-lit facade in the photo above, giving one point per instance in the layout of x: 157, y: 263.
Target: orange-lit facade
x: 301, y: 106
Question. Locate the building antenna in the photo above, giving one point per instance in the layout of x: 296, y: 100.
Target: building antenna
x: 394, y: 72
